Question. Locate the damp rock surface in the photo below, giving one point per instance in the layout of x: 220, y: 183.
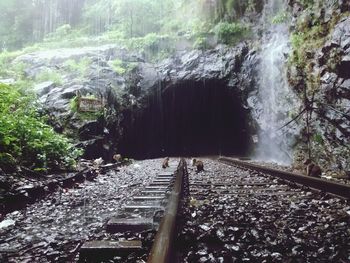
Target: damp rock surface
x: 269, y: 223
x: 53, y: 229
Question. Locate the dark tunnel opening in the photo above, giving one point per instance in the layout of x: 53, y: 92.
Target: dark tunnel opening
x: 191, y: 119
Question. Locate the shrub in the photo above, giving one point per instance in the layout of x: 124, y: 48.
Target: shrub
x: 230, y: 33
x: 49, y: 75
x: 5, y: 63
x: 26, y: 138
x: 81, y: 66
x: 117, y: 65
x: 61, y: 32
x: 201, y: 43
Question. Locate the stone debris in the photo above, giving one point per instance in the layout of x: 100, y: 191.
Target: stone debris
x: 221, y: 227
x: 53, y: 229
x: 7, y: 223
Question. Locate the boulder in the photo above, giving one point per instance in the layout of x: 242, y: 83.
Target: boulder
x: 341, y: 34
x: 44, y: 88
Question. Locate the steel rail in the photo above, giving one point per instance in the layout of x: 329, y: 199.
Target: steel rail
x: 338, y: 189
x: 161, y: 251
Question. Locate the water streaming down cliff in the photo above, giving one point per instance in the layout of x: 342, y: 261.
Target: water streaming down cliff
x: 275, y: 98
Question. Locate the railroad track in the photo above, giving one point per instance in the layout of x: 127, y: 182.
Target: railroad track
x: 133, y: 231
x: 232, y: 213
x: 240, y: 213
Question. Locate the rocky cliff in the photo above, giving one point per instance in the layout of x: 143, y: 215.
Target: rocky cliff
x: 128, y: 84
x: 319, y: 70
x: 142, y: 98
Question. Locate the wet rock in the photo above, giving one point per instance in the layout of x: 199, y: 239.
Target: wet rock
x: 262, y: 230
x: 51, y: 229
x: 344, y: 66
x: 44, y: 88
x: 7, y: 223
x: 341, y: 34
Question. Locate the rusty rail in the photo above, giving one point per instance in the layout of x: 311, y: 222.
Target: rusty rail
x: 162, y: 247
x: 338, y: 189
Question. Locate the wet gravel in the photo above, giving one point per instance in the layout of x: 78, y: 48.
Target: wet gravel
x: 53, y: 229
x: 270, y: 223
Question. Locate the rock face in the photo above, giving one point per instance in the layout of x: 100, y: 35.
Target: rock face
x: 127, y: 84
x: 334, y: 94
x: 63, y: 73
x: 331, y: 63
x: 198, y: 98
x: 221, y: 63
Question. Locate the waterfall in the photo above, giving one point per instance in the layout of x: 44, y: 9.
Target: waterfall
x: 275, y: 98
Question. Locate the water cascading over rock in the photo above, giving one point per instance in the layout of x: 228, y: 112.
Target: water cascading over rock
x: 273, y: 102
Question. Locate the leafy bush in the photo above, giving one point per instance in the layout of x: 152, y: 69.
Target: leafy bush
x: 230, y: 33
x: 117, y: 65
x: 201, y: 43
x: 6, y: 58
x: 49, y: 75
x: 61, y: 32
x: 81, y: 66
x: 26, y: 138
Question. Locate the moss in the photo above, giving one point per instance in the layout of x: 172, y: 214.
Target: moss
x: 81, y: 66
x: 310, y: 36
x: 334, y: 59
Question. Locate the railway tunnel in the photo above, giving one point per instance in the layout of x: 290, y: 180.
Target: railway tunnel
x: 188, y: 119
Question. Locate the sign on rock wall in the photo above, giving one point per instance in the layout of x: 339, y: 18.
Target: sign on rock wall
x: 90, y: 104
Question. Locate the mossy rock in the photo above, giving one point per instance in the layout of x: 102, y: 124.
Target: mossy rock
x: 7, y: 163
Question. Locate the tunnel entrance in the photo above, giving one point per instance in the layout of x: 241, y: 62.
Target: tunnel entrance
x: 189, y: 119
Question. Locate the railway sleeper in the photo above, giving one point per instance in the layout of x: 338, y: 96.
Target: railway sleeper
x: 120, y: 225
x: 96, y: 251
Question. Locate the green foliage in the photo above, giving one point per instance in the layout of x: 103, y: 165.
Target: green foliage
x: 25, y: 136
x: 230, y: 33
x: 318, y: 139
x: 7, y: 162
x: 334, y: 59
x: 307, y: 3
x: 148, y: 26
x: 118, y: 66
x: 201, y: 43
x: 305, y: 42
x: 73, y: 103
x: 235, y: 9
x: 84, y: 115
x: 61, y: 32
x: 81, y: 66
x: 280, y: 18
x: 49, y: 75
x: 309, y: 36
x: 6, y: 66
